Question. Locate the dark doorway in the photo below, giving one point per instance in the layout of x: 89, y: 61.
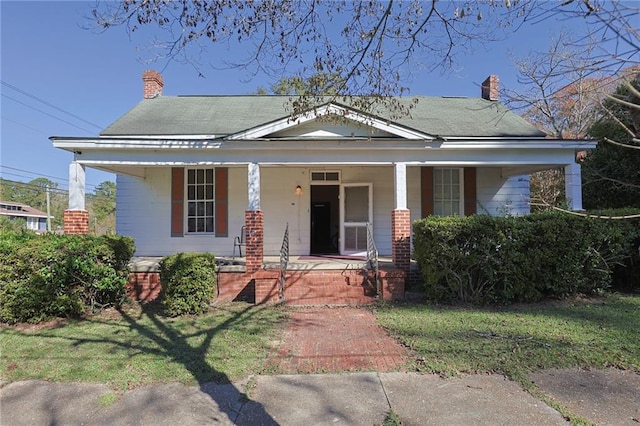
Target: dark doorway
x: 325, y: 219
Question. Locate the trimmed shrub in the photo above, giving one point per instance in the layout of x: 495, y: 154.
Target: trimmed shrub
x: 188, y: 283
x: 626, y: 274
x: 47, y: 276
x: 484, y: 259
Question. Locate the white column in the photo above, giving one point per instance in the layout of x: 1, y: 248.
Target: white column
x: 573, y: 185
x: 76, y: 186
x: 400, y: 186
x: 253, y: 174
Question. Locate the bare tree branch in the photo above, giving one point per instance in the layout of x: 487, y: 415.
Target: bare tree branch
x: 624, y: 145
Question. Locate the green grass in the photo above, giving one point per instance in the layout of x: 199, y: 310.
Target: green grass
x: 140, y: 346
x: 514, y: 341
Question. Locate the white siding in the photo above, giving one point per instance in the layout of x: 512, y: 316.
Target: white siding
x: 498, y: 196
x: 144, y: 213
x: 281, y: 205
x: 144, y: 206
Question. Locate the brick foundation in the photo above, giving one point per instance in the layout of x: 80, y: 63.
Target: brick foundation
x: 307, y: 287
x: 76, y: 222
x: 330, y: 287
x: 143, y: 286
x: 401, y: 239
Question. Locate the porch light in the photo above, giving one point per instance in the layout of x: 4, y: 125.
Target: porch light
x: 298, y: 190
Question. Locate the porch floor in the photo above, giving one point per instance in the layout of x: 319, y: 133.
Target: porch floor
x: 296, y: 263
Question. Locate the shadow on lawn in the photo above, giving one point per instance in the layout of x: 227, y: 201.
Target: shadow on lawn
x: 175, y: 346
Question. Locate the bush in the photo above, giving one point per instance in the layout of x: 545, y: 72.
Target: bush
x: 483, y: 259
x: 46, y: 276
x: 188, y: 283
x: 626, y: 274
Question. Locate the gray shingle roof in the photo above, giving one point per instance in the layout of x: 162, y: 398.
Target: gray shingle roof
x: 225, y: 115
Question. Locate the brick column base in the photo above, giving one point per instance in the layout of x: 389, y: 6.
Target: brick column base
x: 76, y: 222
x: 401, y: 239
x: 254, y: 249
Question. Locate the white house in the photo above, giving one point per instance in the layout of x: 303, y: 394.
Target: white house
x: 192, y: 171
x: 35, y: 219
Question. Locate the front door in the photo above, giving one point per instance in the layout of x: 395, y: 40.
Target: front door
x: 324, y: 219
x: 357, y: 210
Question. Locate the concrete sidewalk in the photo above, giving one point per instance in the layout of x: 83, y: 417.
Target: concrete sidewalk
x: 349, y: 399
x: 606, y: 397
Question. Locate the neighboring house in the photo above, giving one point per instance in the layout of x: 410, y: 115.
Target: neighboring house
x: 35, y: 219
x: 193, y: 170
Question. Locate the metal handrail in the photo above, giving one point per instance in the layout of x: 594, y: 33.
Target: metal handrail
x: 284, y: 261
x: 372, y: 258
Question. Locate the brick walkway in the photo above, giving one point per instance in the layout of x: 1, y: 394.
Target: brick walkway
x: 320, y: 340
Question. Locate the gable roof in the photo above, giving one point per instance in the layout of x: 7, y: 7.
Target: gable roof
x: 12, y: 208
x: 221, y: 116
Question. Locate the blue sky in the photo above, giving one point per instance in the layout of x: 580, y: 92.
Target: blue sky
x: 47, y: 56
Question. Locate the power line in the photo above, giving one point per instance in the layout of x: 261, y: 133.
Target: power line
x: 65, y: 181
x: 19, y: 175
x: 24, y: 125
x: 17, y: 89
x: 32, y: 187
x: 33, y: 173
x: 45, y: 113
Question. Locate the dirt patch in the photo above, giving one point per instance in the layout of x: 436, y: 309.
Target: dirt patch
x: 107, y: 314
x: 32, y: 328
x: 604, y: 397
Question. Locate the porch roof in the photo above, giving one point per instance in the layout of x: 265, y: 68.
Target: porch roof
x: 220, y: 116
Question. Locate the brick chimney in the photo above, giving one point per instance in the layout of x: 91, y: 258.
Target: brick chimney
x: 152, y: 84
x: 490, y: 88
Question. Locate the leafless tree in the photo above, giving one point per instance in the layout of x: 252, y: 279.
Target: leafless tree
x: 558, y: 93
x: 370, y: 46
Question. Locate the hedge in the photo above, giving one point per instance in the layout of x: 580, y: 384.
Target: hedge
x: 188, y: 283
x: 47, y: 276
x: 484, y: 259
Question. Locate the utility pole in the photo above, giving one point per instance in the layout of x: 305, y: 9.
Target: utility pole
x: 48, y: 211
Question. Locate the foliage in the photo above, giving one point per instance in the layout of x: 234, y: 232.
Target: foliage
x: 626, y: 274
x: 34, y: 194
x: 102, y: 208
x: 48, y: 276
x: 320, y: 83
x: 611, y: 172
x: 100, y: 204
x: 137, y: 346
x: 188, y: 283
x: 483, y: 259
x: 12, y: 225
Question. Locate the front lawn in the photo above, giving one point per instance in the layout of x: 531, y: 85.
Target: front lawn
x: 140, y: 346
x: 592, y: 333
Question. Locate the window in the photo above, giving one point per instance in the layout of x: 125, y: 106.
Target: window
x: 325, y: 176
x: 32, y: 223
x: 447, y: 192
x: 200, y: 201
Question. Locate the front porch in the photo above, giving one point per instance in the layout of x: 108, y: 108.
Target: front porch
x: 309, y: 280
